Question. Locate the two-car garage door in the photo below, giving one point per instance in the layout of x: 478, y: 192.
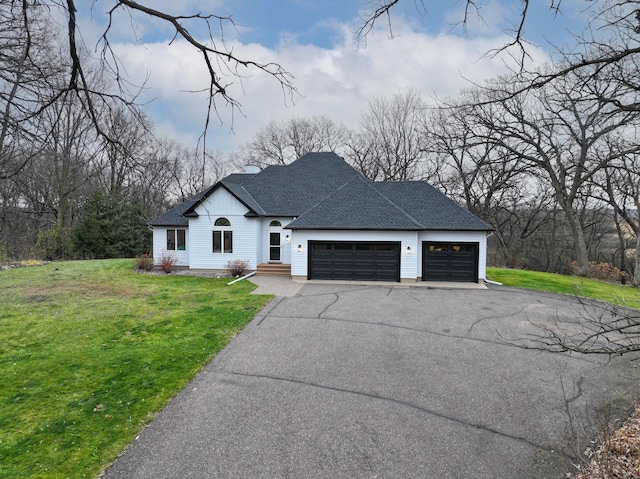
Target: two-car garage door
x: 360, y: 261
x: 380, y: 261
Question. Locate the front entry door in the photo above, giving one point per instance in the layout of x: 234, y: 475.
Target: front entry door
x: 275, y: 250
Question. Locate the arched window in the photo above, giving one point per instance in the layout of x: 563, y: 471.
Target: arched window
x: 222, y: 236
x: 275, y: 223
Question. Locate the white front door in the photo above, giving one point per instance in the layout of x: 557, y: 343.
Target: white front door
x: 275, y: 242
x: 275, y: 250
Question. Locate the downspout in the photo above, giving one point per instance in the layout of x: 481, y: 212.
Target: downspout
x: 488, y: 281
x: 240, y: 279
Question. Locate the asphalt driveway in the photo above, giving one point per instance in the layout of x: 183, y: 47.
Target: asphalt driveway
x: 345, y: 381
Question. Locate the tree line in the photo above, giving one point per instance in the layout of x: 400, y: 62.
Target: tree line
x: 548, y: 157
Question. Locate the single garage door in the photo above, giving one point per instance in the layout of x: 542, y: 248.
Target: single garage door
x: 449, y: 261
x: 366, y: 261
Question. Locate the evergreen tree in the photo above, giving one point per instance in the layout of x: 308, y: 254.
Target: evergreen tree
x: 111, y: 227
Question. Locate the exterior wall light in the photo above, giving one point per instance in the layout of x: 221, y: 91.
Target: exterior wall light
x: 409, y: 251
x: 287, y: 238
x: 299, y: 248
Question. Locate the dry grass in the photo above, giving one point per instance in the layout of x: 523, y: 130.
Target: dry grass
x: 619, y: 454
x: 21, y: 264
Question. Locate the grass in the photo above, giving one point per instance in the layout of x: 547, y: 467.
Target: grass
x: 572, y: 285
x: 90, y: 351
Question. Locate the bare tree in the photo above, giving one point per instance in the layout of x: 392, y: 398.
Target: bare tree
x: 195, y: 171
x: 281, y: 142
x: 67, y: 157
x: 223, y: 65
x: 478, y: 171
x: 619, y: 185
x: 391, y: 132
x: 380, y: 10
x: 359, y: 152
x: 28, y: 65
x: 488, y: 179
x: 120, y: 162
x: 566, y: 132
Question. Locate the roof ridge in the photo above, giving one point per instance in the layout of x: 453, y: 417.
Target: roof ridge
x: 393, y: 203
x: 262, y: 211
x: 325, y: 198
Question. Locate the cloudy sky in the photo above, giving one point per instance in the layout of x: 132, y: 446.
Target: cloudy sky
x: 314, y: 40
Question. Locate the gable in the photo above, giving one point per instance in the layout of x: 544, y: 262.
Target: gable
x: 219, y: 203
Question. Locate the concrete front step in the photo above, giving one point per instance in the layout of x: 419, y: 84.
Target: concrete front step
x: 273, y: 269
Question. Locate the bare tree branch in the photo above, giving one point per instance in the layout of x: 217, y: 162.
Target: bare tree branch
x: 220, y: 60
x: 598, y: 328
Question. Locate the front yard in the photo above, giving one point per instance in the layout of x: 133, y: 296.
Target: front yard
x: 90, y: 351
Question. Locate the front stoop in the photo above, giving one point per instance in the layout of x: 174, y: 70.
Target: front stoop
x: 274, y: 269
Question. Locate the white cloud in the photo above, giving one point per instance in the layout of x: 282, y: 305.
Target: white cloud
x: 337, y: 82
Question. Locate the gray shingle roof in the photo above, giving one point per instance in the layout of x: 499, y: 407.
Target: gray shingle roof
x: 429, y: 207
x: 324, y: 192
x: 289, y: 190
x: 174, y: 216
x: 405, y: 205
x: 357, y: 205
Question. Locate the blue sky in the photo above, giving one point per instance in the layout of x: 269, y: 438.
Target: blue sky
x: 314, y: 40
x: 313, y: 21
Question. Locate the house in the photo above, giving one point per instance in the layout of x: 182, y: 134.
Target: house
x: 325, y: 221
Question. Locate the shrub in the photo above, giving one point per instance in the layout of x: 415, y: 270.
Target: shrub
x: 237, y: 267
x: 54, y: 244
x: 144, y: 262
x: 601, y: 271
x: 168, y: 261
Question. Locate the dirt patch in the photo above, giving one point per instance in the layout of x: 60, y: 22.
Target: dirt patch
x: 186, y: 272
x: 36, y: 298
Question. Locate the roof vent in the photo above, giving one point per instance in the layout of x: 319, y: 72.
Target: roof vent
x: 251, y: 169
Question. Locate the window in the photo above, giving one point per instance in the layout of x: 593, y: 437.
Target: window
x: 275, y: 223
x: 222, y: 236
x: 176, y: 240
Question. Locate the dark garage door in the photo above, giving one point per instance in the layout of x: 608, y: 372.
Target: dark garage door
x: 449, y: 261
x: 354, y: 261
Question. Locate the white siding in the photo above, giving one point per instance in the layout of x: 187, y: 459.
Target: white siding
x: 408, y: 261
x: 245, y: 231
x: 479, y: 237
x: 160, y: 245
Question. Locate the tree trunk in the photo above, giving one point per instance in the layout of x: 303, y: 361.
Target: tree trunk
x: 582, y: 253
x: 636, y: 271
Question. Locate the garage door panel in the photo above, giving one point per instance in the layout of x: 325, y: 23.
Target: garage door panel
x: 367, y: 261
x: 450, y: 261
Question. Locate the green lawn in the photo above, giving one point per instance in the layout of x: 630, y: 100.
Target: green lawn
x: 573, y: 285
x: 90, y: 351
